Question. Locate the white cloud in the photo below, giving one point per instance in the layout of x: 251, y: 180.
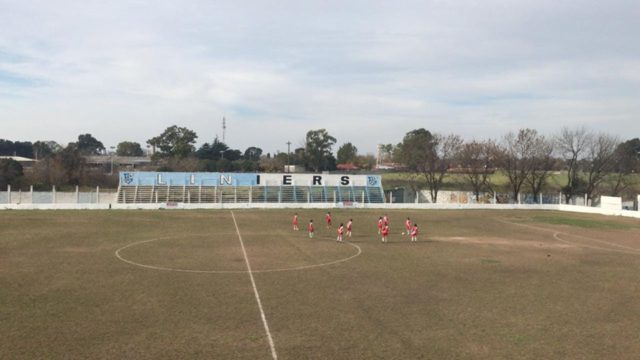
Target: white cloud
x: 367, y: 71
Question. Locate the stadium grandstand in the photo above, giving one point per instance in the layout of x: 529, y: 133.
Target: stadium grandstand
x: 199, y: 187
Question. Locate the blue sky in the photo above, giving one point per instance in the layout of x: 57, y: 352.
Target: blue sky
x: 367, y: 71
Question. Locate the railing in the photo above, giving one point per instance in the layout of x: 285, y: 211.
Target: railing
x: 247, y: 194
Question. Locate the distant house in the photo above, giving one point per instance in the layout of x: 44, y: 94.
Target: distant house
x: 25, y: 162
x: 347, y: 167
x: 129, y: 162
x: 390, y: 166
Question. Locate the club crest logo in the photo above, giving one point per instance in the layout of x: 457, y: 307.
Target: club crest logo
x: 128, y: 178
x: 372, y: 180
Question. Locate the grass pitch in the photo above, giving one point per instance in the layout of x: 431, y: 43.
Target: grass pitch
x: 478, y: 284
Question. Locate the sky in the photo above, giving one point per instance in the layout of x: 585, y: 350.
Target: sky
x: 367, y: 71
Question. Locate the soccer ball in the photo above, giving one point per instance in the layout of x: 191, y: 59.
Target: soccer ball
x: 402, y: 233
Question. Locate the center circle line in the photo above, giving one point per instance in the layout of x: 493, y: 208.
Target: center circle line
x: 162, y: 268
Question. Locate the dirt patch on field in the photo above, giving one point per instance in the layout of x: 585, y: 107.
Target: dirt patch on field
x: 501, y: 242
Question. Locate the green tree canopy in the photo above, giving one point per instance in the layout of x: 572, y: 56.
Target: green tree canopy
x: 417, y: 149
x: 17, y: 148
x: 129, y: 148
x: 175, y: 141
x: 347, y: 153
x: 253, y: 153
x: 10, y: 172
x: 43, y: 149
x: 212, y: 151
x: 318, y: 146
x: 88, y: 145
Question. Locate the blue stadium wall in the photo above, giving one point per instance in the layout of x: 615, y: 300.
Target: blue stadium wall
x: 199, y: 187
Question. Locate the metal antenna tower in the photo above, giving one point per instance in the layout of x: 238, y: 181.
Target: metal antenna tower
x: 224, y: 129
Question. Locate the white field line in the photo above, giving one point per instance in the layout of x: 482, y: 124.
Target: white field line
x: 163, y: 268
x: 255, y: 291
x: 556, y: 235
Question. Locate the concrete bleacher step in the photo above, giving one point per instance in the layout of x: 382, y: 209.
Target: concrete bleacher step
x: 240, y: 194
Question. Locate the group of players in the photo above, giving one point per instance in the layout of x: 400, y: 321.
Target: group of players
x: 383, y: 227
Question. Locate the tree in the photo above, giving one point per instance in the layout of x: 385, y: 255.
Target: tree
x: 318, y: 146
x: 542, y: 164
x: 252, y: 153
x: 599, y: 162
x: 18, y: 148
x: 175, y: 141
x: 10, y: 172
x: 366, y: 162
x: 299, y: 157
x: 417, y: 149
x: 347, y: 153
x: 43, y: 149
x: 626, y: 162
x: 386, y: 153
x: 518, y: 151
x: 478, y: 160
x: 571, y: 145
x: 72, y: 164
x: 272, y: 163
x: 129, y: 148
x: 212, y: 151
x: 429, y: 155
x: 88, y: 145
x: 233, y: 155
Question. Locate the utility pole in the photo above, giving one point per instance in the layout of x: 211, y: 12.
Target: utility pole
x: 112, y: 148
x: 288, y: 156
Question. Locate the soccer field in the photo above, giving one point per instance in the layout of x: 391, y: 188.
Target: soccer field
x: 176, y: 285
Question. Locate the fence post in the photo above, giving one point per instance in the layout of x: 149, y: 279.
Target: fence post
x: 54, y: 194
x: 540, y: 198
x: 77, y: 195
x: 8, y: 194
x: 390, y: 197
x: 585, y: 200
x: 31, y: 192
x: 97, y: 194
x: 560, y: 198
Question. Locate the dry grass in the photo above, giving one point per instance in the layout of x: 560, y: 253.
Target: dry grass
x: 477, y: 285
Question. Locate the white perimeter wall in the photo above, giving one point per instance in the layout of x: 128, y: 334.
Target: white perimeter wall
x: 610, y: 202
x: 569, y: 208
